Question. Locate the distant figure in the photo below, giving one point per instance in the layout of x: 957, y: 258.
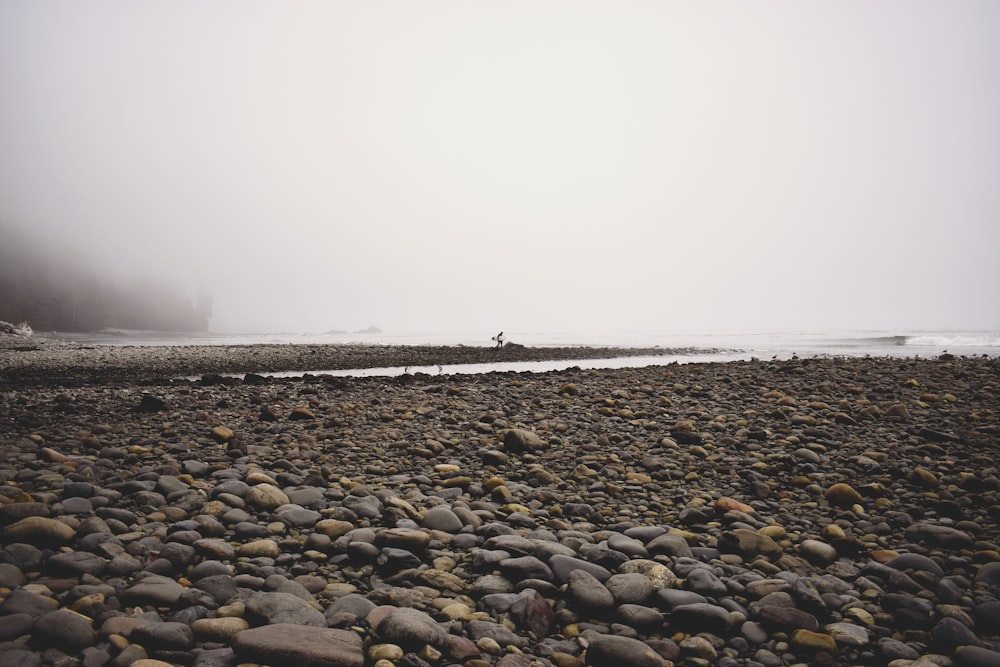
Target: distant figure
x: 499, y: 340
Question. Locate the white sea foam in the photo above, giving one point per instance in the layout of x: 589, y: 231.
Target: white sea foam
x: 946, y: 341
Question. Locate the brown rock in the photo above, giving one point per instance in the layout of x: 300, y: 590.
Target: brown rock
x: 221, y: 434
x: 843, y: 495
x: 725, y: 504
x: 38, y: 531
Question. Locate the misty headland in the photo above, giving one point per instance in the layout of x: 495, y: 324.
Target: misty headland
x: 54, y: 286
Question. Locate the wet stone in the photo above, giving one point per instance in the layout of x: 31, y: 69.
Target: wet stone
x: 562, y: 566
x: 627, y: 545
x: 291, y: 644
x: 750, y: 543
x: 218, y: 629
x: 586, y: 592
x: 702, y: 617
x: 20, y: 657
x: 913, y: 561
x: 642, y: 618
x: 848, y: 635
x: 893, y: 649
x: 491, y: 583
x: 25, y: 557
x: 442, y: 518
x: 480, y: 630
x: 630, y: 588
x: 977, y: 656
x: 939, y: 536
x: 75, y: 563
x: 13, y: 626
x: 155, y: 590
x: 283, y: 608
x: 266, y: 497
x: 353, y: 603
x: 64, y: 629
x: 23, y: 601
x: 298, y: 517
x: 222, y: 587
x: 80, y: 506
x: 531, y: 612
x: 525, y: 567
x: 614, y: 651
x: 394, y: 560
x: 410, y: 628
x: 164, y: 636
x: 11, y: 576
x: 704, y: 582
x: 39, y: 531
x: 989, y: 574
x: 786, y: 619
x: 658, y: 574
x: 950, y: 633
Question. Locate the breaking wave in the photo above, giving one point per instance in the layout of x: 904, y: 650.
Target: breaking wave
x: 945, y: 341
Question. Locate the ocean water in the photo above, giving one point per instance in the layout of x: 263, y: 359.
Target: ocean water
x: 679, y: 347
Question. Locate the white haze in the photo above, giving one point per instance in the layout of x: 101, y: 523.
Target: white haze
x: 519, y: 165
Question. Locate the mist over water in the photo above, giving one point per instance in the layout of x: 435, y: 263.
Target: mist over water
x: 536, y: 167
x: 666, y: 348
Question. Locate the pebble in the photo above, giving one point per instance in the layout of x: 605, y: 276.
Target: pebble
x: 818, y: 552
x: 614, y: 651
x: 286, y: 608
x: 164, y: 636
x: 39, y: 531
x: 410, y: 628
x: 583, y: 590
x: 221, y: 629
x: 64, y: 629
x: 292, y: 644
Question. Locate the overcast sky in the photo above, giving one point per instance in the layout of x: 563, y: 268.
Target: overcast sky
x: 529, y: 166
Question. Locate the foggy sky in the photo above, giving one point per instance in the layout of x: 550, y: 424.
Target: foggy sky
x: 513, y: 165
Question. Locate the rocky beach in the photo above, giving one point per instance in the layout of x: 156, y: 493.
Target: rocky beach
x: 39, y: 360
x: 827, y: 511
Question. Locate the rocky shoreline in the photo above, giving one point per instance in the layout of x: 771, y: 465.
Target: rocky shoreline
x: 811, y: 511
x: 37, y: 361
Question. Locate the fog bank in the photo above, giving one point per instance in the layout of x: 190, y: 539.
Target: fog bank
x: 521, y: 166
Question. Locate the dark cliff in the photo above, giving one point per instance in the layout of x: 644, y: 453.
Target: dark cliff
x: 50, y: 286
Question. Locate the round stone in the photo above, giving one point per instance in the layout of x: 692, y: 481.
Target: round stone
x: 38, y: 531
x: 584, y: 591
x: 164, y: 636
x: 819, y: 553
x: 630, y: 588
x: 64, y: 629
x: 218, y: 629
x: 440, y: 517
x: 842, y: 495
x: 266, y: 497
x: 390, y: 652
x: 615, y: 651
x: 292, y: 644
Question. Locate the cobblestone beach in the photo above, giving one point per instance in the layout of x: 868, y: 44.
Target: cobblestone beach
x: 762, y: 513
x: 39, y: 361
